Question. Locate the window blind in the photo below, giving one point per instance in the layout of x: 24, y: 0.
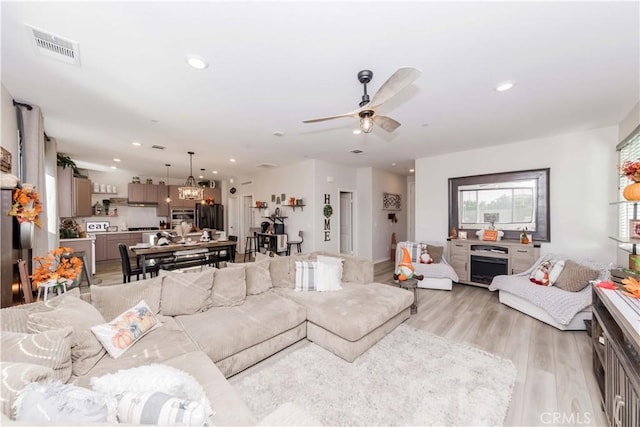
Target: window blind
x: 629, y: 151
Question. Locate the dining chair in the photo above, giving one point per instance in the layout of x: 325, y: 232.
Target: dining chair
x: 298, y: 243
x: 127, y: 271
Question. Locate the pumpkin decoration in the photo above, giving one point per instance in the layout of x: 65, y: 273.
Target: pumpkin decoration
x: 147, y: 322
x: 632, y: 191
x: 122, y: 339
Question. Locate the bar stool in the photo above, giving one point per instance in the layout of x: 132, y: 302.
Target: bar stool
x: 251, y: 244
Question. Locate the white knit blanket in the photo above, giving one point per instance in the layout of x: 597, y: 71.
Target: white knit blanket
x: 561, y: 305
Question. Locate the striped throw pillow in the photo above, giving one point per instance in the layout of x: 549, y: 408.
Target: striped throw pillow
x: 160, y: 409
x: 306, y: 276
x: 415, y: 249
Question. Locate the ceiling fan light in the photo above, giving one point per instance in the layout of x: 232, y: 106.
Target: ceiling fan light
x: 366, y: 124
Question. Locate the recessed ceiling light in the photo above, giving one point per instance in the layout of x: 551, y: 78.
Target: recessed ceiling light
x: 504, y: 86
x: 394, y: 164
x: 136, y: 143
x: 214, y: 172
x: 278, y: 133
x: 412, y: 170
x: 154, y: 121
x: 197, y: 62
x: 357, y: 131
x: 200, y: 176
x: 116, y: 160
x: 113, y: 167
x: 424, y: 125
x: 232, y: 160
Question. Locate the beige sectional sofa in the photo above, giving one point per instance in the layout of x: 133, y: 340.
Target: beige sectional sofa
x: 247, y: 314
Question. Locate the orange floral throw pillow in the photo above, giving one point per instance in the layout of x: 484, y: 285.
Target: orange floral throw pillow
x: 123, y: 331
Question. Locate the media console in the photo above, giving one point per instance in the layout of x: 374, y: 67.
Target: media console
x: 477, y: 262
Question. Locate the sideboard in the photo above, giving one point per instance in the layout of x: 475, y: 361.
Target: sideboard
x: 476, y: 262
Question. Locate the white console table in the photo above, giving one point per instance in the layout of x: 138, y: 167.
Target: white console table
x: 477, y: 261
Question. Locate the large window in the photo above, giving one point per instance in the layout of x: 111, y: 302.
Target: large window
x: 629, y: 150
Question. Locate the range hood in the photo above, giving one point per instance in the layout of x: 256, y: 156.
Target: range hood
x: 123, y: 201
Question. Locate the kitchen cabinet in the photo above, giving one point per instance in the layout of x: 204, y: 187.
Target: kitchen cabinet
x: 74, y: 195
x: 176, y: 202
x: 101, y: 247
x: 112, y: 244
x: 214, y: 193
x: 142, y: 193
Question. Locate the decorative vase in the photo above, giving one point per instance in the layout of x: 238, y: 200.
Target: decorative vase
x: 632, y: 191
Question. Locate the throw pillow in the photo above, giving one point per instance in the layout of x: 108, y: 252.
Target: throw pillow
x: 160, y: 409
x: 86, y: 350
x: 122, y: 332
x: 575, y: 277
x: 328, y: 277
x: 61, y: 404
x: 435, y: 252
x: 113, y: 300
x: 547, y: 272
x: 306, y: 276
x: 186, y: 293
x: 229, y: 287
x: 155, y: 377
x: 49, y: 348
x: 279, y: 271
x: 258, y: 277
x: 15, y: 377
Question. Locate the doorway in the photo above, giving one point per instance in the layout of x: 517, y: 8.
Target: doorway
x: 234, y: 216
x: 346, y: 222
x: 246, y: 222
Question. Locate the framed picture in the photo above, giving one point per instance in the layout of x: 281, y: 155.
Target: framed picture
x: 462, y: 235
x: 391, y: 202
x: 634, y: 229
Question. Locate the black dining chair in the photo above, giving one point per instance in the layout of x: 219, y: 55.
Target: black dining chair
x: 127, y: 271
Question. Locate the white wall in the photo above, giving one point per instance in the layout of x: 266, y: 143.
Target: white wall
x: 364, y: 207
x: 387, y: 182
x: 9, y: 135
x: 583, y: 174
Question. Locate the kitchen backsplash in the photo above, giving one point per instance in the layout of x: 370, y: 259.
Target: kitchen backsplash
x: 128, y: 216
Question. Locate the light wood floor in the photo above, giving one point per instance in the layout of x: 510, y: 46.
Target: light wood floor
x: 555, y: 383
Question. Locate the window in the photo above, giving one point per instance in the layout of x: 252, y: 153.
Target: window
x: 629, y: 150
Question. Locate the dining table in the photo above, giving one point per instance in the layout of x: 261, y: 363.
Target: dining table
x: 145, y: 252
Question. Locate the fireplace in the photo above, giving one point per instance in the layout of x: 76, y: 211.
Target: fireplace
x: 484, y: 268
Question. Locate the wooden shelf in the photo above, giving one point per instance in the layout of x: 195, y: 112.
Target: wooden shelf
x: 294, y: 207
x: 104, y: 192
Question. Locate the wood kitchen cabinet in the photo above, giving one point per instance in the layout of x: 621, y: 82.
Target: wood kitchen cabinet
x: 142, y: 193
x: 101, y: 247
x: 163, y: 207
x: 74, y: 195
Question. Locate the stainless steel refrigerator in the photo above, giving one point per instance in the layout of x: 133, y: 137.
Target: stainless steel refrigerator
x: 210, y: 216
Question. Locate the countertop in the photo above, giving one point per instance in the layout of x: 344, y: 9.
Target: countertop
x: 75, y: 239
x: 123, y: 232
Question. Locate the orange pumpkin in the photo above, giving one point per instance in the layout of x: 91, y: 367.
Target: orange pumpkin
x: 122, y: 339
x: 632, y: 191
x: 146, y: 322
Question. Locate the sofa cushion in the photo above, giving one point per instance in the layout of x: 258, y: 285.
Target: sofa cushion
x: 278, y: 270
x: 86, y: 350
x: 113, y: 300
x: 260, y: 318
x: 229, y: 287
x: 15, y: 376
x: 354, y: 269
x: 122, y: 332
x: 157, y: 346
x: 258, y: 277
x: 306, y: 276
x: 575, y: 277
x: 50, y: 348
x: 353, y: 311
x: 186, y: 293
x: 15, y: 319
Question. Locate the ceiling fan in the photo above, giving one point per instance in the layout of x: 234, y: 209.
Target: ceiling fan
x: 367, y: 111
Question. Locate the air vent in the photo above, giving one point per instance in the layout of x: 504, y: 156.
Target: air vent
x: 356, y: 151
x: 158, y: 147
x: 246, y: 183
x: 267, y: 165
x: 56, y: 47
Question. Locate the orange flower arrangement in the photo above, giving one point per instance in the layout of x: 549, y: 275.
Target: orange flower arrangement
x: 26, y: 205
x: 55, y: 267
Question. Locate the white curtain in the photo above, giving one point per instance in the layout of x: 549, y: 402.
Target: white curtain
x: 34, y: 171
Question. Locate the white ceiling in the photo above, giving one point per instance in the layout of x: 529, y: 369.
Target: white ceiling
x: 274, y: 64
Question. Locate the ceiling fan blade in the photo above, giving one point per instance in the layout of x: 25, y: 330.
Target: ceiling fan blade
x: 337, y: 116
x: 386, y: 123
x: 398, y: 81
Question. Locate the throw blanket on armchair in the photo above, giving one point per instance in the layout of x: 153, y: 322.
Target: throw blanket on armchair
x: 560, y: 304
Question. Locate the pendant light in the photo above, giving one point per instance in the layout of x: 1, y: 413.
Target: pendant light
x: 168, y: 196
x: 190, y: 191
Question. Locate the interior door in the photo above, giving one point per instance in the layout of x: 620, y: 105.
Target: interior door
x: 234, y: 217
x: 346, y: 223
x: 246, y: 222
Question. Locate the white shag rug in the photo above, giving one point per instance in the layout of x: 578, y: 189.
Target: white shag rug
x: 410, y: 377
